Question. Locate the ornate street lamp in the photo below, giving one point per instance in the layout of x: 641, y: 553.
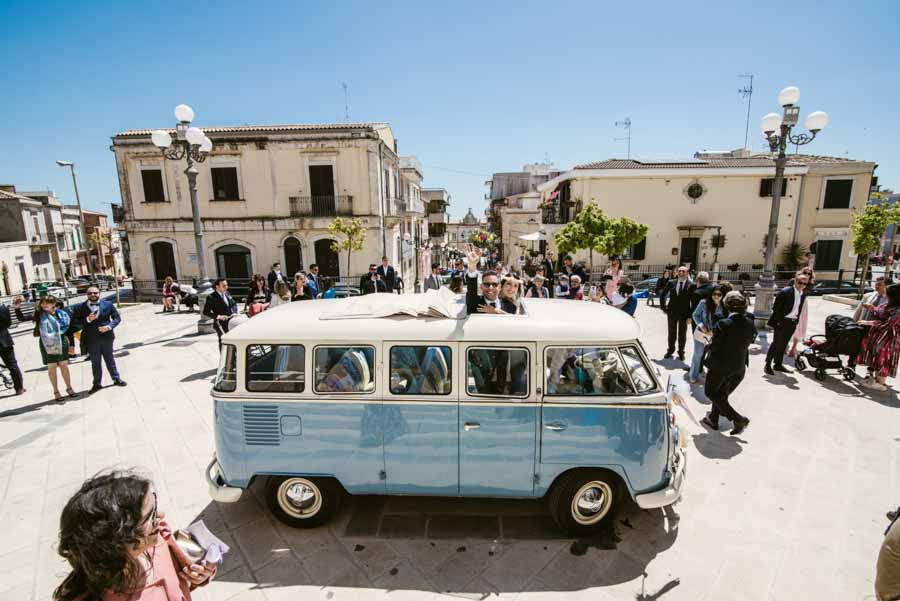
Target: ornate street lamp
x: 777, y: 129
x: 192, y: 144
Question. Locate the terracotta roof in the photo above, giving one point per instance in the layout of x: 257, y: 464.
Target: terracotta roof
x: 759, y: 160
x: 264, y: 128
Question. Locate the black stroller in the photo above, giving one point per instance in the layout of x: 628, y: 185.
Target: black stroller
x: 843, y: 336
x: 187, y: 295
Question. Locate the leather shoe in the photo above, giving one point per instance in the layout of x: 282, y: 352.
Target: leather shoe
x: 95, y: 388
x: 120, y: 383
x: 681, y: 356
x: 768, y: 370
x: 706, y: 421
x: 782, y: 369
x: 740, y: 426
x: 667, y: 356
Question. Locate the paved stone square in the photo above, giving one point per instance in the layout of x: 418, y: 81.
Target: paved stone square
x: 793, y: 509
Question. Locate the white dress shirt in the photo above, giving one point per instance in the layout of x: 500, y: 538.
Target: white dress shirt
x: 795, y: 311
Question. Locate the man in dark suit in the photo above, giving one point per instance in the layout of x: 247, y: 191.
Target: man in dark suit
x: 312, y: 280
x: 220, y: 307
x: 433, y: 282
x: 387, y: 274
x: 372, y: 283
x: 489, y: 300
x: 570, y: 269
x: 678, y: 310
x: 100, y: 318
x: 783, y: 321
x: 7, y: 352
x: 728, y: 360
x: 276, y: 276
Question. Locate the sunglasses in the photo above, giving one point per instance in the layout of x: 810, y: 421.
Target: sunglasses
x: 803, y: 283
x: 717, y: 294
x: 490, y: 284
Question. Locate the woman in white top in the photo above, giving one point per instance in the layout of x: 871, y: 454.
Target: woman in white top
x: 616, y: 273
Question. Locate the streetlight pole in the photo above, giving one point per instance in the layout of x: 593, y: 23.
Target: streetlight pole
x: 783, y: 124
x: 84, y: 237
x: 192, y: 144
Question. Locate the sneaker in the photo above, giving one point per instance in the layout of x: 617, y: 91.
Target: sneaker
x: 739, y: 426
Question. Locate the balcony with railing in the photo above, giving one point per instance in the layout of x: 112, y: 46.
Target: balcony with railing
x: 321, y: 206
x: 437, y: 229
x: 42, y: 239
x: 557, y: 213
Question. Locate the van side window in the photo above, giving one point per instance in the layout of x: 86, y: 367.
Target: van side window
x: 275, y: 367
x: 586, y: 371
x: 226, y: 375
x: 421, y: 370
x: 640, y: 375
x: 345, y: 369
x: 497, y: 372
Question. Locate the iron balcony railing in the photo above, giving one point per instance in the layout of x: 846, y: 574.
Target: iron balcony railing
x: 321, y: 206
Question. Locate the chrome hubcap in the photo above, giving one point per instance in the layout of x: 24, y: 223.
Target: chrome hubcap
x: 592, y: 502
x: 299, y: 498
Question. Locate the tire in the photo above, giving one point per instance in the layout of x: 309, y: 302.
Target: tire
x: 800, y: 364
x: 820, y: 374
x: 303, y: 502
x: 600, y: 493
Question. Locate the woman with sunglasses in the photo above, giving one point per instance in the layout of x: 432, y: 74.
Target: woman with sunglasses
x: 705, y: 316
x: 509, y: 296
x: 800, y: 331
x: 120, y: 547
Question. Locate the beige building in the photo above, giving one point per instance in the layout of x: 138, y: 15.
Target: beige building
x: 436, y: 202
x: 715, y: 208
x: 267, y: 194
x: 460, y: 232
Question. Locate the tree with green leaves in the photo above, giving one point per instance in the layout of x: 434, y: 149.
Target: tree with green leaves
x: 594, y: 231
x: 349, y: 235
x: 868, y: 227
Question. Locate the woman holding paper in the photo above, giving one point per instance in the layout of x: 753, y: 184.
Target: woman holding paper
x: 705, y: 316
x: 120, y: 548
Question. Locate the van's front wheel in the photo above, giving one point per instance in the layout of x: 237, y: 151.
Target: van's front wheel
x: 584, y: 501
x: 302, y: 502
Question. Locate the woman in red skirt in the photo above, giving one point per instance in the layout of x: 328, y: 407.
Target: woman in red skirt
x: 881, y: 347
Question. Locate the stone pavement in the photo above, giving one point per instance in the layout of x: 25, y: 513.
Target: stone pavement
x: 791, y: 510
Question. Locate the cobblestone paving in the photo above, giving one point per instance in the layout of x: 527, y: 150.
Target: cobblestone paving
x: 793, y: 509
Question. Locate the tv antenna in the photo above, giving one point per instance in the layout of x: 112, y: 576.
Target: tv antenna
x: 626, y: 124
x: 346, y: 101
x: 747, y: 92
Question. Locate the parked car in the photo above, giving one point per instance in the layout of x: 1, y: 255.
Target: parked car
x: 835, y: 287
x: 52, y: 288
x: 343, y: 291
x: 643, y: 288
x: 106, y: 281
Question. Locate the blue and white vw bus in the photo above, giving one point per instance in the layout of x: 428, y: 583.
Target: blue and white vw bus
x: 559, y: 402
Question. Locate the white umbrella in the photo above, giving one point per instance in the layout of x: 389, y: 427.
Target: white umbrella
x: 533, y: 236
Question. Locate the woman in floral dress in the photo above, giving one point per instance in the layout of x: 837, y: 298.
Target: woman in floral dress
x: 881, y: 348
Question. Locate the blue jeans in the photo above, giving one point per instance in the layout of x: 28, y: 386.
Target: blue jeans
x: 699, y: 349
x: 102, y: 349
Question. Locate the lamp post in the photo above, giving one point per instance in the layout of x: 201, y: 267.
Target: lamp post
x: 84, y: 238
x: 777, y: 129
x: 190, y: 143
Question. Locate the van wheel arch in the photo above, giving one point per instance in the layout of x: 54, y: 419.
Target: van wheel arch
x: 602, y: 487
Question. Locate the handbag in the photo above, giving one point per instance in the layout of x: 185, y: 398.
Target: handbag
x: 702, y: 337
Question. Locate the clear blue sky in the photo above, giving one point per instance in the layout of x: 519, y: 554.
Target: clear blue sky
x: 469, y: 88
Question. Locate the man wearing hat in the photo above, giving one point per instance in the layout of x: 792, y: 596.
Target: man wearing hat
x: 727, y: 361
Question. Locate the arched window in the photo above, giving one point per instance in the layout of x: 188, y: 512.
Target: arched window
x: 293, y: 256
x: 233, y: 262
x: 163, y: 256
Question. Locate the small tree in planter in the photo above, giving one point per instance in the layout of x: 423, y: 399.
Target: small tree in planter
x: 868, y: 226
x: 594, y: 231
x: 353, y: 234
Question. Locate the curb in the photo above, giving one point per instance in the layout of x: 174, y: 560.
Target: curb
x: 842, y: 299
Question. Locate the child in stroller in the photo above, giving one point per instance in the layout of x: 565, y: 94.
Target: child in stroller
x: 843, y: 336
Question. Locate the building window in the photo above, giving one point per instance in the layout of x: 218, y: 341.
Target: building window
x: 153, y: 185
x: 837, y: 194
x: 225, y: 183
x: 636, y: 252
x: 767, y: 184
x: 828, y: 254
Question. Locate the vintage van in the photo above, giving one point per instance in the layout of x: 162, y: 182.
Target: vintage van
x: 559, y: 402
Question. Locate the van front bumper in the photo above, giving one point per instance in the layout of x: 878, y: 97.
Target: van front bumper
x: 218, y: 490
x: 672, y: 492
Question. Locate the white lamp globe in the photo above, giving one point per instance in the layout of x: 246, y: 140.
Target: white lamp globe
x: 184, y: 113
x: 206, y: 145
x: 406, y: 237
x: 161, y: 139
x: 195, y: 136
x: 817, y: 121
x: 789, y: 96
x: 770, y: 123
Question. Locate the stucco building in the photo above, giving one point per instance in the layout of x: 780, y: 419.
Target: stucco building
x: 715, y: 207
x: 460, y: 232
x: 436, y: 202
x: 267, y: 194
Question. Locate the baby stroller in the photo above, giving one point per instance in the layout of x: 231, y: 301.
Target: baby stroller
x: 187, y: 296
x: 843, y: 336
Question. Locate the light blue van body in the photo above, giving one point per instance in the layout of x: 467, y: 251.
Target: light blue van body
x: 456, y: 444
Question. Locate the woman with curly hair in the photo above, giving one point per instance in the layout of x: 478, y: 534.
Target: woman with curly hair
x: 119, y: 546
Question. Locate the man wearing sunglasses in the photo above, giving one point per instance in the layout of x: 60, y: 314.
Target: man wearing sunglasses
x: 678, y: 310
x: 490, y: 287
x: 100, y: 318
x: 785, y: 313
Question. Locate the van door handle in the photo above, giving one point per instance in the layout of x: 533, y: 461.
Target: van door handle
x: 555, y: 426
x: 471, y: 426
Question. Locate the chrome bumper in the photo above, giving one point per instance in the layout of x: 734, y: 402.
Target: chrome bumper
x: 218, y: 490
x: 672, y: 492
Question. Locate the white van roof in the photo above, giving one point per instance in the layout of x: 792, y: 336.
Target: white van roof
x: 544, y: 320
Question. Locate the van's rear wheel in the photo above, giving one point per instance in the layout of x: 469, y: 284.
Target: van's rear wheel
x: 302, y: 502
x: 584, y: 501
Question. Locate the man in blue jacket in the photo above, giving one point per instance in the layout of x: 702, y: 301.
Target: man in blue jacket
x: 100, y: 318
